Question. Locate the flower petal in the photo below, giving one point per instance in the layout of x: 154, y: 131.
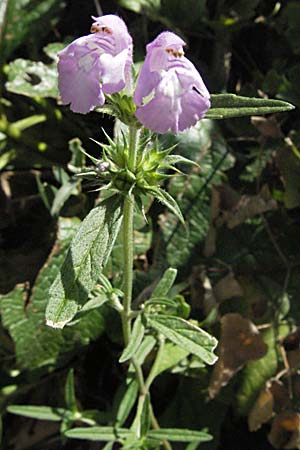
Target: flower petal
x: 179, y: 95
x: 95, y: 64
x: 122, y: 38
x: 146, y: 83
x: 113, y: 71
x: 79, y: 72
x: 158, y: 115
x: 166, y: 39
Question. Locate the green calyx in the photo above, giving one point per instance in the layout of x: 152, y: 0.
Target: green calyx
x: 122, y: 107
x: 153, y: 166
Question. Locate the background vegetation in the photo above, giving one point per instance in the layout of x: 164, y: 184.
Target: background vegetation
x: 238, y: 265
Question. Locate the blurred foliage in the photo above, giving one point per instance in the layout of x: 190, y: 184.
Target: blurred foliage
x: 239, y: 253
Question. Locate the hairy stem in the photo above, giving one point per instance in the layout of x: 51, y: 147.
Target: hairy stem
x: 128, y: 266
x: 128, y: 238
x: 126, y: 313
x: 128, y: 254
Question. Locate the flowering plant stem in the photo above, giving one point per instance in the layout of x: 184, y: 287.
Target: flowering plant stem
x: 126, y: 312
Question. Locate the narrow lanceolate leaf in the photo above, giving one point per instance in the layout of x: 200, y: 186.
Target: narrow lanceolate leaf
x: 170, y: 160
x: 70, y: 396
x: 85, y: 259
x: 39, y: 412
x: 146, y: 416
x: 224, y: 106
x: 186, y: 335
x: 166, y: 199
x: 98, y: 433
x: 136, y: 338
x: 179, y: 435
x: 127, y: 402
x: 164, y: 285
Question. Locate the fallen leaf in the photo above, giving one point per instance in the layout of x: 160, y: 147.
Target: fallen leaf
x: 273, y: 398
x: 285, y: 431
x: 227, y: 287
x: 239, y: 343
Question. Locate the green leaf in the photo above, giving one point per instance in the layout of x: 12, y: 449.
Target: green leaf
x: 70, y: 397
x: 78, y: 154
x: 145, y: 348
x: 179, y: 435
x: 193, y: 193
x: 136, y: 338
x: 98, y: 433
x: 164, y: 285
x: 108, y: 446
x: 33, y: 78
x: 146, y: 416
x: 166, y: 199
x: 30, y: 121
x: 192, y: 446
x: 39, y: 412
x: 31, y: 27
x: 127, y: 402
x: 85, y: 259
x: 186, y: 335
x: 225, y: 106
x: 170, y: 160
x: 257, y: 373
x: 37, y: 345
x: 171, y: 355
x: 62, y: 195
x: 139, y: 6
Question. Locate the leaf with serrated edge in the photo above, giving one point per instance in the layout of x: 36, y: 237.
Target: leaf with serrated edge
x: 87, y: 255
x: 185, y: 335
x: 37, y: 345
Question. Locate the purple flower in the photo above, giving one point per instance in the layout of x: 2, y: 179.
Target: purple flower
x: 96, y: 64
x: 170, y: 93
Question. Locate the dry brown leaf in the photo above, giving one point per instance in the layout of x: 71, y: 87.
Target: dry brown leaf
x: 285, y: 431
x: 210, y: 240
x: 239, y: 343
x: 262, y: 410
x: 227, y: 287
x: 273, y: 398
x: 267, y: 126
x: 250, y: 206
x: 291, y: 345
x: 228, y: 207
x: 202, y: 295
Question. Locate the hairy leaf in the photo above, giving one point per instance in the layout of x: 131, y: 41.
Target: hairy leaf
x: 98, y: 433
x: 179, y: 435
x: 136, y: 338
x: 224, y: 106
x: 39, y: 412
x: 34, y: 78
x: 85, y: 259
x: 186, y: 335
x: 36, y: 344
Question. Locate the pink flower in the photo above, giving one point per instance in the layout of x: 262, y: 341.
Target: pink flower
x: 96, y: 64
x: 170, y: 93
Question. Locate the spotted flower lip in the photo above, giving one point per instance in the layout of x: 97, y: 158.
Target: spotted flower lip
x: 170, y: 94
x: 96, y: 64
